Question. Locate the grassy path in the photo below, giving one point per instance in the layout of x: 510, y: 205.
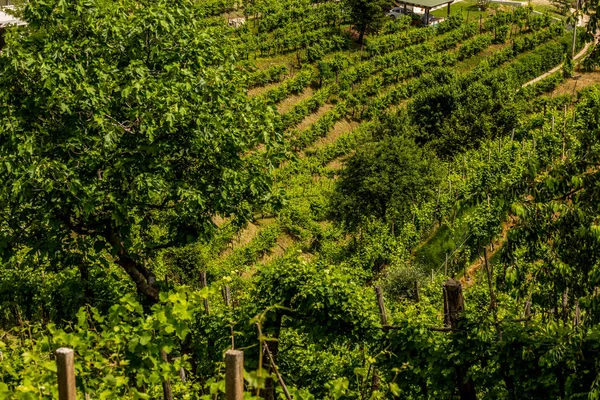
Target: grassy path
x: 558, y: 67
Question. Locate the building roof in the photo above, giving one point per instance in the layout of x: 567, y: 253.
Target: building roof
x: 424, y: 3
x: 6, y: 19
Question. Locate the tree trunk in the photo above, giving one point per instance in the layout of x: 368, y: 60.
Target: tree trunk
x: 454, y: 305
x: 274, y: 348
x: 361, y: 34
x: 84, y: 274
x: 142, y: 277
x: 466, y: 387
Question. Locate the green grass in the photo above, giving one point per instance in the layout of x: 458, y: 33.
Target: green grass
x: 466, y: 8
x: 550, y: 10
x: 432, y: 254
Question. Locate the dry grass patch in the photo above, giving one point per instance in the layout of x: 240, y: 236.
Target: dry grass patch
x: 583, y: 80
x: 246, y: 235
x: 288, y: 59
x: 471, y: 62
x: 287, y: 104
x: 260, y: 90
x: 341, y: 127
x: 284, y: 242
x: 472, y: 270
x: 312, y: 118
x: 336, y: 165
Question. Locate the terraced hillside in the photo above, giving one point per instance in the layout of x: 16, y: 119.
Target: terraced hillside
x: 226, y: 199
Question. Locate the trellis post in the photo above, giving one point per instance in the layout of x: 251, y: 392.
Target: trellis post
x: 234, y: 375
x: 65, y: 368
x: 380, y: 303
x: 203, y: 284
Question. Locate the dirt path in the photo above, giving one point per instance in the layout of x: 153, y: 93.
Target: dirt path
x: 472, y: 270
x: 578, y: 82
x: 553, y: 70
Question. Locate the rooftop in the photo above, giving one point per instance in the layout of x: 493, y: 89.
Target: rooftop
x: 7, y: 19
x: 424, y: 3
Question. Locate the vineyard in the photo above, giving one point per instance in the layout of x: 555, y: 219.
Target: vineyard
x: 367, y: 207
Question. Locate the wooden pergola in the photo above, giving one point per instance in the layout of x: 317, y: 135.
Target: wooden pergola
x: 425, y: 4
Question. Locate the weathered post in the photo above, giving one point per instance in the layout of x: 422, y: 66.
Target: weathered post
x: 227, y: 295
x: 576, y: 15
x: 417, y: 295
x: 234, y: 375
x: 454, y: 306
x: 273, y: 366
x: 565, y: 305
x: 203, y: 284
x: 65, y: 368
x: 527, y: 309
x: 167, y: 391
x: 564, y: 133
x: 182, y: 375
x: 375, y: 382
x: 577, y: 316
x: 382, y: 313
x: 454, y: 303
x: 489, y: 273
x: 446, y: 265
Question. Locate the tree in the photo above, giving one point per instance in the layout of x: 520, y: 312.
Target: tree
x: 123, y: 130
x: 567, y: 68
x: 366, y: 14
x: 458, y: 115
x: 384, y: 180
x: 483, y: 4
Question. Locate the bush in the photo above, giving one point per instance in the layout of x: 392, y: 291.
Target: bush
x: 385, y: 180
x: 400, y: 281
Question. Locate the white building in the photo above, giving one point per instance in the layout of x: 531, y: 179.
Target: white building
x: 6, y: 19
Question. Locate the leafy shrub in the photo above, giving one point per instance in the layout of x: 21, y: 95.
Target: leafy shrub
x: 384, y: 180
x: 400, y: 281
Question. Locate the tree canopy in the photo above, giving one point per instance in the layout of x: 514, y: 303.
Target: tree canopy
x: 116, y: 118
x: 366, y: 14
x: 384, y: 179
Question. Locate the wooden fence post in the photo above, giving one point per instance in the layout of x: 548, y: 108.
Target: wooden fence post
x: 446, y: 265
x: 182, y: 375
x: 167, y: 391
x: 454, y: 302
x: 490, y: 276
x: 273, y: 366
x: 417, y: 296
x: 203, y: 284
x: 564, y: 133
x: 234, y: 375
x: 382, y: 313
x: 454, y: 306
x: 565, y: 305
x: 577, y: 317
x: 65, y: 368
x: 227, y: 295
x: 527, y: 310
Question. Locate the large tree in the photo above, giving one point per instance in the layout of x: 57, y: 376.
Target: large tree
x: 385, y: 180
x: 366, y: 14
x: 123, y: 130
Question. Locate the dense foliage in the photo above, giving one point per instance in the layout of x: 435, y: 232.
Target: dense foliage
x: 385, y: 180
x: 123, y: 136
x: 173, y: 187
